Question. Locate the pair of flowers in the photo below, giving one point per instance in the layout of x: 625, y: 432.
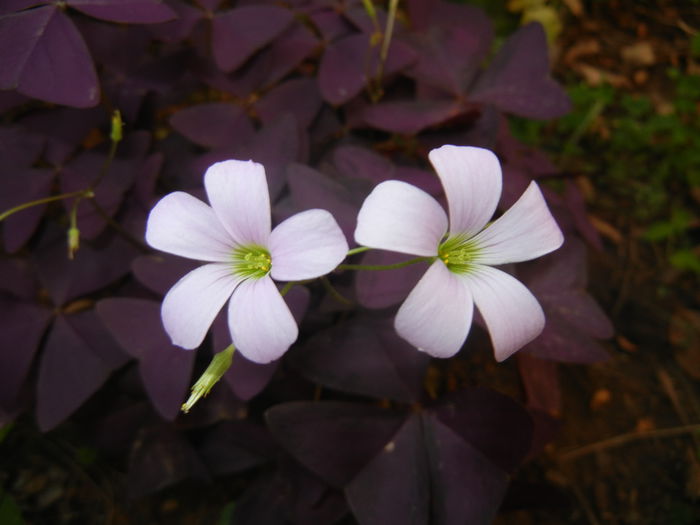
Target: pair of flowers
x: 244, y: 255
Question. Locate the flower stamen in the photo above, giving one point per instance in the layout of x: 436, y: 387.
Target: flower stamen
x: 251, y: 261
x: 458, y: 254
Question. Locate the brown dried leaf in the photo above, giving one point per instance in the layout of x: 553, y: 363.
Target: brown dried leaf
x: 639, y: 53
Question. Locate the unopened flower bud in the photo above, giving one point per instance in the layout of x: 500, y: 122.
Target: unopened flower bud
x: 73, y: 241
x: 215, y: 371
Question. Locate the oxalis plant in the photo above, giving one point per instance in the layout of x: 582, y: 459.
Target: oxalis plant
x: 362, y: 193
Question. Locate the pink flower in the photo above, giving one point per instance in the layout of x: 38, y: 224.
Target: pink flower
x: 233, y: 236
x: 437, y: 314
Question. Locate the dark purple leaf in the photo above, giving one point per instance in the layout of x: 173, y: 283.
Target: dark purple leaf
x: 466, y: 486
x: 92, y: 268
x: 364, y: 356
x: 299, y: 96
x: 349, y: 63
x: 518, y: 81
x: 573, y: 197
x: 78, y: 357
x: 235, y: 446
x: 160, y: 272
x: 10, y: 6
x: 541, y: 383
x: 491, y: 422
x: 395, y: 486
x: 274, y: 146
x: 561, y: 341
x: 65, y: 129
x: 19, y: 186
x: 10, y: 100
x: 356, y: 161
x: 330, y: 24
x: 333, y: 439
x: 165, y: 369
x: 213, y: 125
x: 22, y: 326
x: 210, y: 5
x: 128, y: 11
x: 81, y: 173
x: 311, y: 189
x: 239, y: 33
x: 160, y: 456
x: 18, y: 148
x: 453, y: 42
x: 381, y: 289
x: 17, y: 278
x: 179, y: 28
x: 146, y: 179
x: 407, y: 116
x: 44, y: 56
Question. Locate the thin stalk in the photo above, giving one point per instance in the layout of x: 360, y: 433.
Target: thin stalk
x: 379, y: 267
x: 355, y: 251
x: 4, y: 215
x: 334, y: 293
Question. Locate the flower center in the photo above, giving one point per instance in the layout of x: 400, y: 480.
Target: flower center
x: 252, y: 262
x: 458, y: 254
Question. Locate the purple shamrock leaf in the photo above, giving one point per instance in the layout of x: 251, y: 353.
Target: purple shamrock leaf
x: 165, y: 369
x: 18, y: 186
x: 574, y: 319
x: 299, y: 96
x: 213, y: 125
x: 239, y: 33
x: 403, y: 116
x: 452, y: 42
x: 383, y: 289
x: 78, y: 357
x: 334, y: 440
x: 92, y: 268
x: 312, y: 189
x: 466, y: 486
x: 517, y: 80
x: 18, y: 147
x: 349, y: 63
x: 44, y: 56
x: 395, y: 486
x: 364, y: 356
x: 161, y: 456
x: 22, y: 326
x: 127, y: 11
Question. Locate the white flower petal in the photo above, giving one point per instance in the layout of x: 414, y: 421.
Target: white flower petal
x: 472, y: 181
x: 237, y: 190
x: 262, y: 327
x: 512, y: 314
x: 399, y: 217
x: 306, y: 245
x: 183, y: 225
x: 191, y: 305
x: 437, y: 314
x: 526, y: 231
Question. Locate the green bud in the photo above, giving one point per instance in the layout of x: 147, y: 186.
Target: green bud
x: 73, y: 241
x: 117, y: 124
x: 215, y: 371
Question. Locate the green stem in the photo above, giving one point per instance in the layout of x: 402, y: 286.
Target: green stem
x: 355, y: 251
x: 285, y: 289
x: 383, y: 266
x: 24, y: 206
x: 333, y: 292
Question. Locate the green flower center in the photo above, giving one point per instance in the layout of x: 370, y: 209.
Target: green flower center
x: 458, y: 254
x: 252, y: 262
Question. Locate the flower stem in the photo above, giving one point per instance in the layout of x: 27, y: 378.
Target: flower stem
x: 220, y: 363
x: 384, y: 266
x: 81, y: 193
x: 333, y: 292
x: 355, y: 251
